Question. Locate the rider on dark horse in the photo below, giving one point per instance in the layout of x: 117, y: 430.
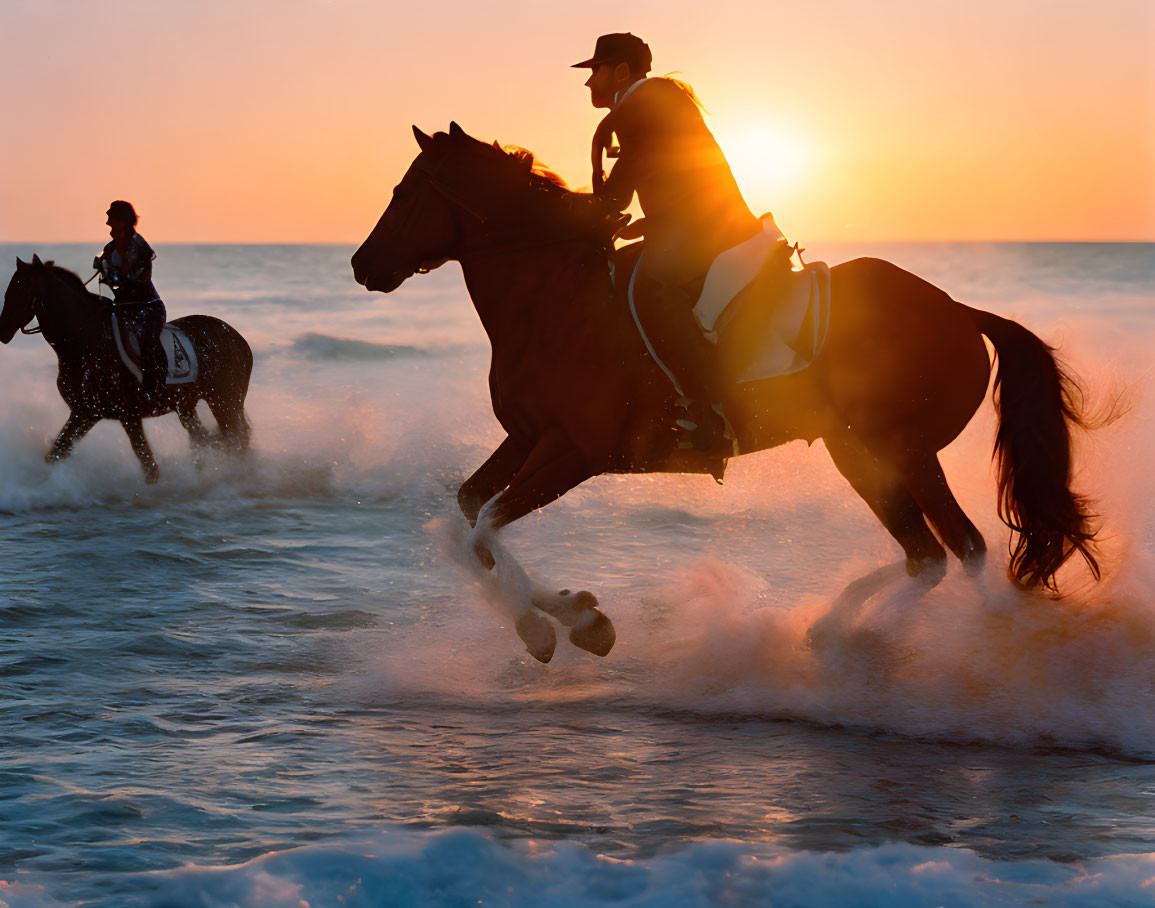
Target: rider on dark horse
x: 693, y: 211
x: 126, y: 267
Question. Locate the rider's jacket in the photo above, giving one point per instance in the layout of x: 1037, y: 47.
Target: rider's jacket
x: 130, y: 278
x: 671, y: 160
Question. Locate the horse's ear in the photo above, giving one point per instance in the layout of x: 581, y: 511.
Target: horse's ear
x: 20, y: 265
x: 36, y: 259
x: 497, y: 145
x: 423, y: 140
x: 456, y: 131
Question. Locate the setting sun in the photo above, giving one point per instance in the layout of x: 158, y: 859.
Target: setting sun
x: 771, y: 162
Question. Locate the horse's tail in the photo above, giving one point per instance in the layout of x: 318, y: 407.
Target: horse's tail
x: 1038, y: 402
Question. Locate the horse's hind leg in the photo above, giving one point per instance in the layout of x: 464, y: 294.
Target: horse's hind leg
x: 882, y: 486
x: 929, y: 487
x: 190, y: 419
x: 198, y: 435
x: 74, y: 429
x: 135, y: 432
x: 234, y: 425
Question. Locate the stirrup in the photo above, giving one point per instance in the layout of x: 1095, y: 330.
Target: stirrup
x: 687, y: 427
x: 728, y: 432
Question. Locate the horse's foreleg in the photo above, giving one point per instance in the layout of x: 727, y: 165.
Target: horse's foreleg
x: 492, y: 476
x: 553, y: 467
x: 135, y: 432
x: 882, y: 487
x: 74, y: 429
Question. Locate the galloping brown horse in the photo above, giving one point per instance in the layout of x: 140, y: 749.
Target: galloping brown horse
x: 903, y: 370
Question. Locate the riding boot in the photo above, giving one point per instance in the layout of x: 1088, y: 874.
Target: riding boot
x: 154, y: 369
x: 693, y: 359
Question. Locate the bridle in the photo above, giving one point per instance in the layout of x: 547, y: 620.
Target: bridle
x: 37, y: 303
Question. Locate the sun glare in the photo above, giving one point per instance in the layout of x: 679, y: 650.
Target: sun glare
x: 769, y: 161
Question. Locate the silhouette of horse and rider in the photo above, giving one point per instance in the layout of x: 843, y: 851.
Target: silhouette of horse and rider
x: 602, y: 359
x: 99, y: 375
x: 600, y: 366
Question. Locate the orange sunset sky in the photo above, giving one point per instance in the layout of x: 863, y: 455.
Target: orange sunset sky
x: 288, y: 120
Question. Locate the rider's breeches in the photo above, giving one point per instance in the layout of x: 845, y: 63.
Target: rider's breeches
x: 667, y: 315
x: 145, y: 321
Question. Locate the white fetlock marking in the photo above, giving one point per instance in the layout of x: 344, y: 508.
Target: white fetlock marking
x: 483, y: 533
x: 570, y: 608
x: 506, y: 586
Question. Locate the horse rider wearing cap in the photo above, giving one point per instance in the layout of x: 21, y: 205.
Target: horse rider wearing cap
x: 693, y: 211
x: 125, y: 265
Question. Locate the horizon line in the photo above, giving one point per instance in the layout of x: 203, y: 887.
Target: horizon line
x: 1001, y: 240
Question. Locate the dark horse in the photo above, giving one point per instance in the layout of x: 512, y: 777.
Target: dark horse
x: 96, y: 384
x: 903, y: 370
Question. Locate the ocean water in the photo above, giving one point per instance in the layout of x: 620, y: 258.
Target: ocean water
x: 273, y: 683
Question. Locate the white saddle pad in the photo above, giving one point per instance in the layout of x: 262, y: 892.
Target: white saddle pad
x: 732, y: 271
x: 182, y: 356
x: 797, y: 326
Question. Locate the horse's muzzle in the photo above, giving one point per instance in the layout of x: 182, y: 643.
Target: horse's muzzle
x: 376, y: 279
x: 360, y: 274
x: 384, y: 283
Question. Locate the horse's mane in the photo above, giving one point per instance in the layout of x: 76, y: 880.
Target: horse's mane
x: 69, y: 277
x: 527, y: 158
x: 513, y: 190
x: 541, y: 176
x: 511, y: 183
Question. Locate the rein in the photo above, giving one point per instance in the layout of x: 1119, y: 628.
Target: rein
x: 36, y: 305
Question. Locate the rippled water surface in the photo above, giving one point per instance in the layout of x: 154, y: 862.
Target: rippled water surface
x: 272, y: 682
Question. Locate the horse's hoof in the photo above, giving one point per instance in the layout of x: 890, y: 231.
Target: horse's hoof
x: 537, y: 634
x: 584, y: 600
x: 594, y: 633
x: 485, y: 556
x: 974, y: 563
x: 974, y: 559
x: 928, y: 570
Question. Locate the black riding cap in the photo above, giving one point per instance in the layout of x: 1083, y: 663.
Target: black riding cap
x: 620, y: 48
x: 122, y: 211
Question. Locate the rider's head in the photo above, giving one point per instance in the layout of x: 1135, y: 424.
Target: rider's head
x: 618, y: 62
x: 121, y: 218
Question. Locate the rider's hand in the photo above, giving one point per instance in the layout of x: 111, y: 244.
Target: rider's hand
x: 604, y: 134
x: 632, y: 231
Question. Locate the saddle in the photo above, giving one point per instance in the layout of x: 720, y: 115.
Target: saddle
x: 766, y: 320
x: 178, y: 349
